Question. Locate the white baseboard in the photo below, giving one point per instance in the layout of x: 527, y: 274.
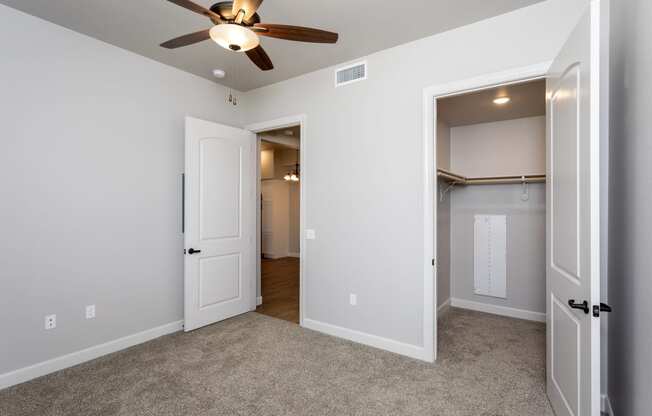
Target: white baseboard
x: 297, y: 255
x: 259, y: 300
x: 59, y: 363
x: 605, y: 405
x: 498, y: 310
x: 386, y: 344
x: 444, y: 306
x: 273, y: 256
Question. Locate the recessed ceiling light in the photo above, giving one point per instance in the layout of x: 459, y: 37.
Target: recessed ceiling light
x: 502, y: 100
x: 219, y: 73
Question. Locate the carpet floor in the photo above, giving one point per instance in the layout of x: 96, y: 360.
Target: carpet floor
x: 256, y: 365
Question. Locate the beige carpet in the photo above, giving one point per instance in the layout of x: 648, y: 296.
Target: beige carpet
x: 257, y: 365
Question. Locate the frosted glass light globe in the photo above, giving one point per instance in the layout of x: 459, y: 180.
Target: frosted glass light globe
x: 234, y: 37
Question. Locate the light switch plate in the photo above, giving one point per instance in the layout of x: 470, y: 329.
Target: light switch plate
x: 353, y: 299
x: 90, y: 311
x: 310, y: 234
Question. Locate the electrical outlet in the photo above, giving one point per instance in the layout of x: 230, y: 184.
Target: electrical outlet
x: 353, y: 299
x: 50, y: 321
x: 310, y: 234
x: 90, y: 311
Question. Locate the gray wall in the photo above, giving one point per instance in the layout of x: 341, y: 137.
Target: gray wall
x: 500, y: 148
x: 443, y: 216
x: 510, y: 147
x: 368, y: 213
x: 91, y: 149
x: 526, y: 243
x: 295, y: 218
x: 630, y: 231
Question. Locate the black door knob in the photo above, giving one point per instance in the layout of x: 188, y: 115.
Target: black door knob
x: 193, y: 251
x: 603, y: 307
x: 584, y: 306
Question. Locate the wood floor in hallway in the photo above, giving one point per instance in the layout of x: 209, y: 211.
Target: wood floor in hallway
x: 280, y: 288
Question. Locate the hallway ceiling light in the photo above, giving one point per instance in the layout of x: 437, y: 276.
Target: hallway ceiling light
x: 293, y: 175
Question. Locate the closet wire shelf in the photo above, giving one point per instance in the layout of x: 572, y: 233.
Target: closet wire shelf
x: 456, y: 179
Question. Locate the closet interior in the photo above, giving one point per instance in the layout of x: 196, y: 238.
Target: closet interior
x: 491, y: 201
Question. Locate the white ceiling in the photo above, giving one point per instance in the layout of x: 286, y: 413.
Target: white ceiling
x: 365, y: 26
x: 528, y: 99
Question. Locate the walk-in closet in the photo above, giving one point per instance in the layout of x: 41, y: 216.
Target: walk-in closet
x: 491, y: 201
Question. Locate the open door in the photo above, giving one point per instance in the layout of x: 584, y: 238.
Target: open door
x: 573, y: 233
x: 220, y: 218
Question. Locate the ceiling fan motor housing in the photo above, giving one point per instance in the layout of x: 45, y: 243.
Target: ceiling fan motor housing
x: 225, y: 10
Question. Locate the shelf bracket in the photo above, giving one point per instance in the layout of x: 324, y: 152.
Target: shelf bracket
x: 442, y: 193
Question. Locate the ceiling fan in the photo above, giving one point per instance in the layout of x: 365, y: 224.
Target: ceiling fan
x: 237, y: 27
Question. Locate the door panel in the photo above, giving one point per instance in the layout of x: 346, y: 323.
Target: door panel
x: 219, y: 279
x: 565, y: 353
x: 220, y: 213
x: 573, y: 226
x: 220, y: 188
x: 565, y: 166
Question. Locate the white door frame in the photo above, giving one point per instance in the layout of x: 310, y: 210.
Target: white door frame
x: 430, y: 96
x: 279, y: 123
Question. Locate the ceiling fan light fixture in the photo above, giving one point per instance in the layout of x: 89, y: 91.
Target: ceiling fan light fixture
x: 234, y: 37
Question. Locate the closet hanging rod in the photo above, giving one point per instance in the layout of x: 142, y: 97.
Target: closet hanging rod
x: 491, y: 180
x: 506, y: 180
x: 451, y: 176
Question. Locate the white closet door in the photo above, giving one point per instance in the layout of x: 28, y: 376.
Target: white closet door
x: 573, y: 223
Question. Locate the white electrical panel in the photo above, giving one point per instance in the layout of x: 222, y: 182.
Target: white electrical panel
x: 490, y: 255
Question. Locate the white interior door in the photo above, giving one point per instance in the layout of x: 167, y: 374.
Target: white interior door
x: 573, y: 233
x: 220, y: 217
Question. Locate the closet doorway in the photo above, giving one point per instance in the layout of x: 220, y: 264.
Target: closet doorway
x: 279, y: 225
x: 491, y: 201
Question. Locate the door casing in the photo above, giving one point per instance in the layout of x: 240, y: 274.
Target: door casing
x: 280, y: 123
x: 430, y: 96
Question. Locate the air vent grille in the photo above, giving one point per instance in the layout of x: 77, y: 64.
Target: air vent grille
x: 351, y: 73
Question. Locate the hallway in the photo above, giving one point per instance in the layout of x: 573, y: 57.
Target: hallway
x: 280, y: 288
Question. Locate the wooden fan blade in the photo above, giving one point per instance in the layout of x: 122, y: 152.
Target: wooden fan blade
x: 249, y: 6
x: 187, y: 4
x: 296, y: 33
x: 186, y: 40
x: 260, y: 58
